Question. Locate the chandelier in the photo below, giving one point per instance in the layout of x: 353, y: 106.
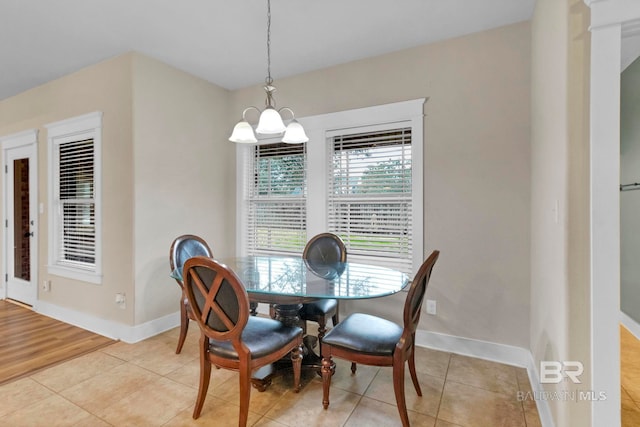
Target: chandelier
x: 270, y: 121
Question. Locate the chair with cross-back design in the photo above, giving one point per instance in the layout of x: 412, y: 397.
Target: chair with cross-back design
x: 230, y: 338
x: 371, y: 340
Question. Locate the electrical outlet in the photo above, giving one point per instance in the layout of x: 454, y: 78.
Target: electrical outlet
x: 46, y: 285
x: 121, y: 300
x: 431, y: 306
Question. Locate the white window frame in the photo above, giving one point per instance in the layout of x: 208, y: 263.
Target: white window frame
x: 87, y: 126
x: 319, y: 128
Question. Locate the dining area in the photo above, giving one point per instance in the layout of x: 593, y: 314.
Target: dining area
x: 222, y: 297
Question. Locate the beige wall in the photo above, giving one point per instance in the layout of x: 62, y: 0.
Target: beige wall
x: 166, y: 171
x: 104, y: 87
x: 560, y: 177
x: 477, y: 175
x: 183, y: 176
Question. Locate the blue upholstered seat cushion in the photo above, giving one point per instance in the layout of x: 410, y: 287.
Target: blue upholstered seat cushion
x: 323, y: 307
x: 263, y: 336
x: 364, y: 333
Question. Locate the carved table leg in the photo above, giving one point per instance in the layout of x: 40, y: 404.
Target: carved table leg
x: 289, y: 314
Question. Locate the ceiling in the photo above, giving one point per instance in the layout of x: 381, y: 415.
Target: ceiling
x: 224, y: 41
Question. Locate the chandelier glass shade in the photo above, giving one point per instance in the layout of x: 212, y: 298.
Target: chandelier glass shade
x: 270, y: 122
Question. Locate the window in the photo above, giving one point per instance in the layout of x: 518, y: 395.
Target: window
x: 276, y: 220
x: 74, y: 198
x: 369, y: 197
x: 359, y: 176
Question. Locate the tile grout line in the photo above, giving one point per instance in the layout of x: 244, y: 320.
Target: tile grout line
x: 361, y: 397
x: 444, y: 384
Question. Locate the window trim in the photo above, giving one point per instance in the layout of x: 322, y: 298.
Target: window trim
x: 320, y: 128
x: 87, y: 126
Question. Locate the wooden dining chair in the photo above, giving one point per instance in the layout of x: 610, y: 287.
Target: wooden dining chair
x: 183, y: 248
x: 321, y: 251
x: 229, y: 337
x: 371, y: 340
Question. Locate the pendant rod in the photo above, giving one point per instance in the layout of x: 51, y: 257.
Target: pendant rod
x: 269, y: 80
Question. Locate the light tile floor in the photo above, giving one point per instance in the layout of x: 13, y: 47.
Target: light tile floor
x: 147, y: 384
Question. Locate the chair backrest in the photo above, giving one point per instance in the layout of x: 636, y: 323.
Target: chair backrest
x: 415, y: 297
x: 185, y: 247
x: 217, y: 297
x: 325, y: 248
x: 324, y: 255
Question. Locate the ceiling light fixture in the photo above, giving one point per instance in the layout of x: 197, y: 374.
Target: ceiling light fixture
x: 270, y: 122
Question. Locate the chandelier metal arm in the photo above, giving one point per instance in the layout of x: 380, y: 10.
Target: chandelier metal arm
x: 244, y: 112
x: 293, y: 116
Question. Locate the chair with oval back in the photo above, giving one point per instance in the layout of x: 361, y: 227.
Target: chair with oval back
x: 371, y: 340
x: 229, y: 337
x: 322, y: 251
x: 183, y: 248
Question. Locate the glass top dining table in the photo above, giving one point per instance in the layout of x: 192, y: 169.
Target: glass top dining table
x: 290, y: 280
x: 286, y: 282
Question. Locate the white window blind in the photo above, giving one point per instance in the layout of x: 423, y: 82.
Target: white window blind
x: 359, y: 176
x: 276, y: 199
x: 75, y: 190
x: 74, y: 203
x: 370, y: 195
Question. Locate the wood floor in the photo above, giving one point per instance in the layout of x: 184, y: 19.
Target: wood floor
x: 30, y: 342
x: 630, y: 378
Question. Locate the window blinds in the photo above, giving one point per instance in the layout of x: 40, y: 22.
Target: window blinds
x: 77, y: 232
x: 370, y: 196
x: 277, y: 208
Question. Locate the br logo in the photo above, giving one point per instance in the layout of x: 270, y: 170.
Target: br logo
x: 552, y: 372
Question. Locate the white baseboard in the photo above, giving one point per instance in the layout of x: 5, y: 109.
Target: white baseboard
x: 631, y: 324
x: 108, y: 328
x: 501, y: 353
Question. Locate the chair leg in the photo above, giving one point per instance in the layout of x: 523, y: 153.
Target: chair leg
x: 326, y: 380
x: 335, y: 318
x: 245, y: 394
x: 398, y: 388
x: 253, y: 308
x: 322, y: 330
x: 184, y: 325
x: 296, y: 360
x: 353, y: 367
x: 412, y: 371
x: 205, y: 376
